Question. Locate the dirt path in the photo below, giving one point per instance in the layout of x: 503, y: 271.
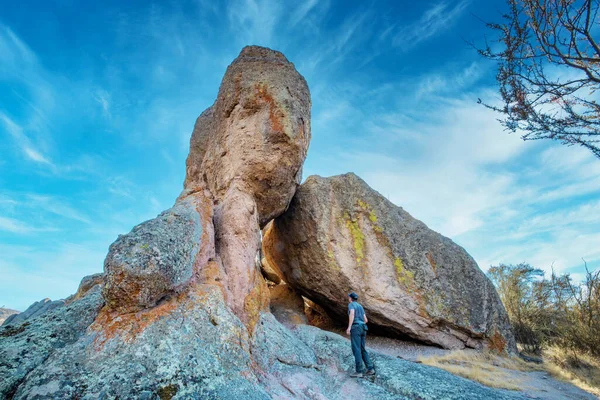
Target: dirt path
x: 535, y: 384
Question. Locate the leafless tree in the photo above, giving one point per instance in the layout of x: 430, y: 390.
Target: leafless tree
x: 549, y: 70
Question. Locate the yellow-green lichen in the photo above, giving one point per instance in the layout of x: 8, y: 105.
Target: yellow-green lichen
x: 405, y: 277
x: 332, y: 261
x: 357, y: 237
x: 330, y: 254
x: 373, y: 217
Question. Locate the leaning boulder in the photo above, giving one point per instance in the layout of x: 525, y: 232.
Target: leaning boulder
x: 340, y: 235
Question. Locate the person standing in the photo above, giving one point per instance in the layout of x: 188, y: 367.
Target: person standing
x: 357, y: 329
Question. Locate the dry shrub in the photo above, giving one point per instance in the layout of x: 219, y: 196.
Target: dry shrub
x: 579, y: 369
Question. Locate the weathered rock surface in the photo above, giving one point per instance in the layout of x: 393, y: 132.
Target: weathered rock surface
x: 190, y: 346
x: 340, y: 235
x: 36, y: 309
x: 28, y: 344
x: 308, y: 363
x: 256, y: 135
x: 155, y: 259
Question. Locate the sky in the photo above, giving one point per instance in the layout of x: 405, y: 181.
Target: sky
x: 98, y: 101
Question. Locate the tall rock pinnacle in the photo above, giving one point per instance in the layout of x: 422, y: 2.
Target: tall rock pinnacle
x: 247, y: 149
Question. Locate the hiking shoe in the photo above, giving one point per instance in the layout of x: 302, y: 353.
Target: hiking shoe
x: 356, y: 375
x: 370, y: 372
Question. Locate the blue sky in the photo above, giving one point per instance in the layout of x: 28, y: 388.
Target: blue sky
x: 98, y: 101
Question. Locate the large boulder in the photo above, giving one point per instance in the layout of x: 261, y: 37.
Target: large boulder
x: 340, y: 235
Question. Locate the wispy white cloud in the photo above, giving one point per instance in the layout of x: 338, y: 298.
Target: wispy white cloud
x: 436, y: 19
x: 55, y: 206
x: 22, y: 141
x: 103, y: 98
x: 445, y: 82
x: 16, y: 226
x: 302, y: 10
x: 255, y: 20
x: 36, y: 156
x: 15, y: 54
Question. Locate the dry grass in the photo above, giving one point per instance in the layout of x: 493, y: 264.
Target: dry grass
x: 491, y: 369
x: 487, y: 368
x: 578, y: 369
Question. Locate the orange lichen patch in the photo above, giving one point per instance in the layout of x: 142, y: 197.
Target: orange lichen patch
x: 431, y: 261
x: 497, y: 342
x: 130, y: 291
x: 275, y: 113
x: 255, y: 302
x: 110, y: 324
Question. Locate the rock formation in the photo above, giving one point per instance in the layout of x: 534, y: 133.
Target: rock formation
x: 6, y: 313
x: 182, y: 309
x: 340, y: 235
x: 247, y: 149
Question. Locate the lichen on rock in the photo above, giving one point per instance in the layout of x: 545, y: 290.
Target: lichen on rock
x: 411, y: 280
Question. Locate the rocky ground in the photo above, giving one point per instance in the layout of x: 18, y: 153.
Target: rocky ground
x: 535, y: 384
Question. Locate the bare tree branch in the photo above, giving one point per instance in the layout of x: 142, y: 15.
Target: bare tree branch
x: 549, y: 70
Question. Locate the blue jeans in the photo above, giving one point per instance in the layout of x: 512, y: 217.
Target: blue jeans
x: 358, y: 337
